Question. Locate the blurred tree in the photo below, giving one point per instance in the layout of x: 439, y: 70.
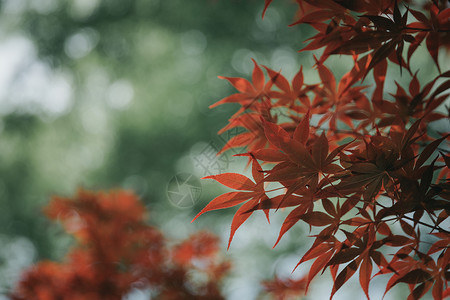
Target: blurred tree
x: 117, y: 253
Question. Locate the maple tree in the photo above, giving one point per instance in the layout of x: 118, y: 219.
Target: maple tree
x: 117, y: 251
x: 363, y: 169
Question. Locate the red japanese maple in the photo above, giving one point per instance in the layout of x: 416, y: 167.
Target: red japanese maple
x: 117, y: 251
x: 371, y: 169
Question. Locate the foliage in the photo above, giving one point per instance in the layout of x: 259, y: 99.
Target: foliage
x: 117, y: 251
x: 362, y: 168
x: 283, y: 289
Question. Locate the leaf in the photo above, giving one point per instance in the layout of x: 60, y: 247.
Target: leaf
x: 257, y: 76
x: 444, y: 87
x: 365, y: 273
x: 329, y: 207
x: 277, y: 202
x: 235, y: 98
x: 397, y: 15
x: 241, y: 84
x: 344, y: 275
x: 378, y: 258
x: 437, y: 292
x: 327, y: 77
x: 279, y: 80
x: 250, y: 93
x: 381, y: 22
x: 293, y: 217
x: 295, y: 151
x: 276, y: 135
x: 266, y: 5
x: 428, y: 151
x: 301, y: 132
x: 408, y: 229
x: 240, y: 140
x: 379, y: 74
x: 224, y: 201
x: 433, y: 42
x: 316, y: 250
x: 410, y: 133
x: 320, y: 151
x: 297, y: 81
x: 396, y: 240
x: 233, y: 180
x: 252, y: 192
x: 318, y: 265
x: 336, y: 151
x: 380, y: 54
x: 373, y: 188
x: 239, y: 218
x: 419, y: 16
x: 317, y: 218
x: 414, y: 277
x: 269, y: 155
x: 421, y: 290
x: 345, y: 255
x: 257, y: 172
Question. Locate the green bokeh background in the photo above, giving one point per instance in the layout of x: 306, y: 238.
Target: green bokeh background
x: 115, y: 94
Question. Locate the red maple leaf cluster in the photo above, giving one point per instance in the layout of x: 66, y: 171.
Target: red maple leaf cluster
x: 117, y: 251
x: 368, y: 176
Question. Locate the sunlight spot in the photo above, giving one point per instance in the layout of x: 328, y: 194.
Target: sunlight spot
x: 138, y: 294
x: 81, y: 43
x: 16, y: 254
x: 20, y: 53
x: 137, y: 184
x: 271, y: 20
x: 94, y: 120
x: 241, y: 61
x: 14, y: 7
x: 120, y: 94
x: 193, y: 42
x: 190, y: 70
x: 34, y: 88
x: 81, y: 9
x: 58, y: 99
x: 284, y: 58
x: 44, y: 6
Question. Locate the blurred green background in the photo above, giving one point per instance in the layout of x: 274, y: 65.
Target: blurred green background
x: 115, y: 94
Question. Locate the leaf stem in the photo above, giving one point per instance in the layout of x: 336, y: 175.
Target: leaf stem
x: 425, y: 29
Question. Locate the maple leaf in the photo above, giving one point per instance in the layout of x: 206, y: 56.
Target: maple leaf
x: 249, y: 93
x: 339, y: 98
x: 252, y: 139
x: 289, y: 93
x: 303, y: 165
x: 250, y: 191
x: 421, y: 274
x: 436, y: 30
x: 390, y: 33
x: 360, y: 249
x: 384, y: 177
x: 420, y: 104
